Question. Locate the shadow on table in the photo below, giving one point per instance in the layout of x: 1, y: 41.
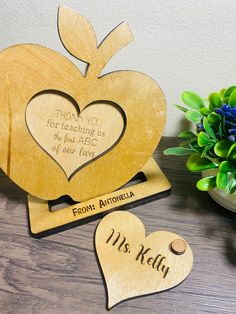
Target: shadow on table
x: 10, y: 191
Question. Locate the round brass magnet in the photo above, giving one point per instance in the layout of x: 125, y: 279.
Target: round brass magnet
x: 178, y: 246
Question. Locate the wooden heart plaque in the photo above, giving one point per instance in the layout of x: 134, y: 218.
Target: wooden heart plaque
x: 135, y: 265
x: 71, y: 138
x: 68, y: 133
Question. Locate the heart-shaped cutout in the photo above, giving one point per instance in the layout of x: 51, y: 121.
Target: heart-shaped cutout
x: 135, y: 265
x: 71, y: 138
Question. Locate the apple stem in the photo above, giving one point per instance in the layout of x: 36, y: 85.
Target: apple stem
x: 118, y: 38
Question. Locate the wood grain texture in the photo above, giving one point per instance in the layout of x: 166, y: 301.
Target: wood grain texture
x: 27, y: 70
x: 135, y: 263
x: 43, y: 219
x: 81, y: 137
x: 59, y: 274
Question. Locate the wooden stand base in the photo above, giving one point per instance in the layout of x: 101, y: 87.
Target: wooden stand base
x: 44, y: 221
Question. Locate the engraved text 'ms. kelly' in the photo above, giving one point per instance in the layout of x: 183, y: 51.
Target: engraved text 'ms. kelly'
x: 144, y: 255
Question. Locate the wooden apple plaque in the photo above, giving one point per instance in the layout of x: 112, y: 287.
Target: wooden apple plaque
x: 135, y: 265
x: 65, y: 133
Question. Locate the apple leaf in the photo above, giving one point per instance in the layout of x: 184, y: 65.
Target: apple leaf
x: 77, y: 34
x: 207, y: 184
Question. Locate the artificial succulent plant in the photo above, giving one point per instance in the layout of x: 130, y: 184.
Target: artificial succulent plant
x: 212, y: 145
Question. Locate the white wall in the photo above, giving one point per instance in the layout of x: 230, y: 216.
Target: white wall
x: 182, y: 44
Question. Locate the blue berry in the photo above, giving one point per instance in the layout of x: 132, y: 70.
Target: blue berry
x: 229, y: 124
x: 220, y: 111
x: 232, y: 131
x: 226, y: 107
x: 199, y: 125
x: 232, y: 138
x: 233, y: 110
x: 229, y: 115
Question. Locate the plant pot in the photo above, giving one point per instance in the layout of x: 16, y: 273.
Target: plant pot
x: 228, y: 201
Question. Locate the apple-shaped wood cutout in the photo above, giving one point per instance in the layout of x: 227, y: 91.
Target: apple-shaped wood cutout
x: 65, y: 133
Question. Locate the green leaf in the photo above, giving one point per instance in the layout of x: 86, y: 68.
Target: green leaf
x: 209, y: 129
x: 228, y: 91
x: 221, y: 180
x: 186, y: 135
x: 194, y: 146
x: 220, y: 130
x: 203, y: 139
x: 181, y: 108
x: 226, y: 166
x: 232, y: 98
x: 207, y: 184
x: 222, y: 148
x: 192, y: 100
x: 214, y: 118
x: 178, y: 151
x: 222, y: 127
x: 225, y: 100
x: 231, y: 186
x: 214, y: 100
x: 205, y: 111
x: 196, y: 163
x: 232, y: 152
x: 193, y: 116
x: 186, y: 143
x: 221, y: 92
x: 206, y: 150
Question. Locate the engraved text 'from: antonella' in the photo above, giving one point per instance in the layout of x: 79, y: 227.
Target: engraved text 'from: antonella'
x: 102, y: 203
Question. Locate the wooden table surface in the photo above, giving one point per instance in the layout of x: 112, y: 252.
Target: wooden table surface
x: 60, y: 273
